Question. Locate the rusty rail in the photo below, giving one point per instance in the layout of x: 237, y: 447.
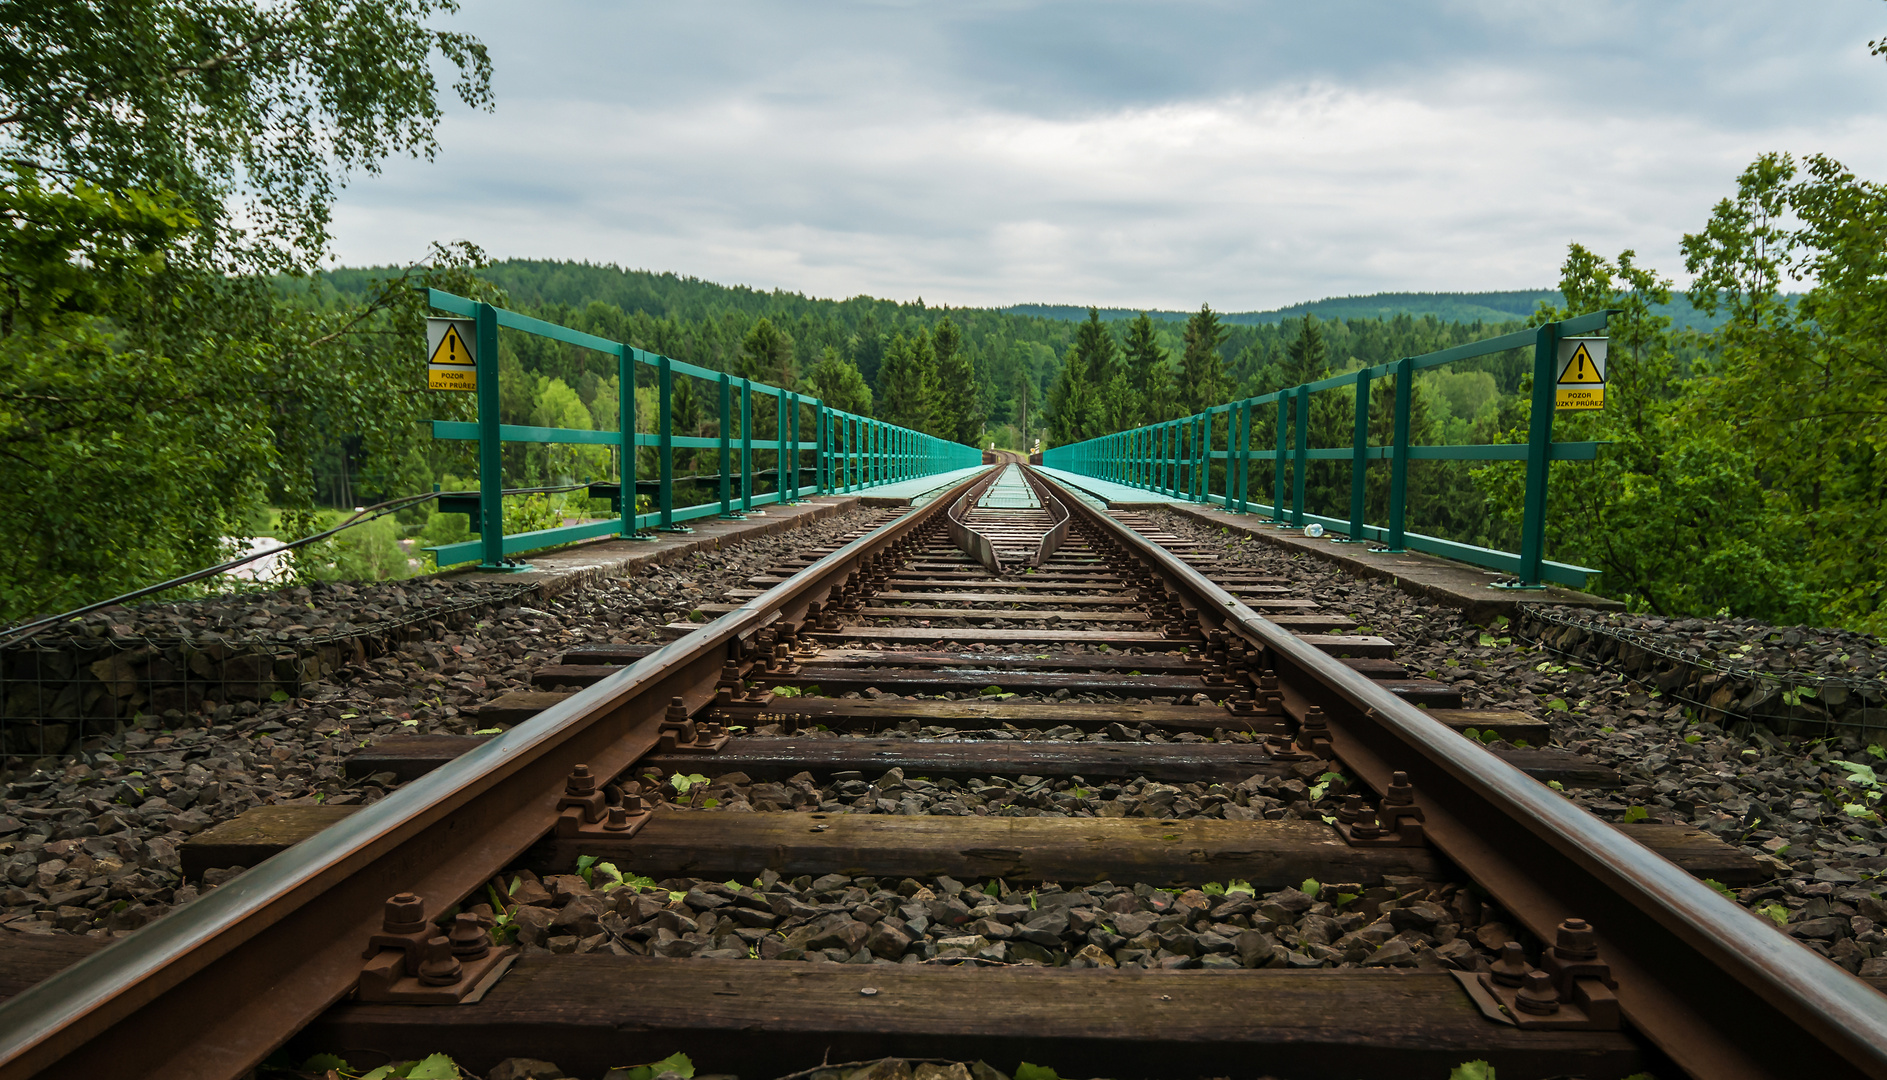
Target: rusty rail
x: 211, y: 989
x: 1712, y: 985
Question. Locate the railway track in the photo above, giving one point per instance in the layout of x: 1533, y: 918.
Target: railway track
x: 1011, y: 650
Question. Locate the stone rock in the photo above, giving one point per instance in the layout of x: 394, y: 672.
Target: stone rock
x: 524, y: 1069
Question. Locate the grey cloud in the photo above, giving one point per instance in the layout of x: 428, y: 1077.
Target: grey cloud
x: 1132, y: 154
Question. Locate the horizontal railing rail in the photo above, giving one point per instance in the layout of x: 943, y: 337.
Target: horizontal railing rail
x: 1175, y: 457
x: 849, y: 452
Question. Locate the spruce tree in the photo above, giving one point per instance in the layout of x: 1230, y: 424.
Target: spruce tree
x: 1202, y: 369
x: 1305, y: 358
x: 836, y: 382
x: 959, y: 402
x: 1071, y: 401
x: 1148, y: 372
x: 907, y: 383
x: 766, y: 355
x: 1098, y: 351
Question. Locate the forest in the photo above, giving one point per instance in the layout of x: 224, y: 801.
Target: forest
x: 178, y: 371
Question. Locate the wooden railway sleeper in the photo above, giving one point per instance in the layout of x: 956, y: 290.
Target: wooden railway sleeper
x: 413, y: 962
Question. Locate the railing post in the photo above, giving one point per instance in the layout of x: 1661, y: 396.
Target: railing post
x: 626, y: 412
x: 1303, y: 457
x: 1202, y: 453
x: 1277, y: 459
x: 1399, y: 454
x: 822, y: 421
x: 727, y: 446
x: 491, y: 486
x: 1239, y: 457
x: 665, y: 390
x: 792, y: 442
x: 1359, y: 462
x: 746, y: 446
x: 1539, y: 439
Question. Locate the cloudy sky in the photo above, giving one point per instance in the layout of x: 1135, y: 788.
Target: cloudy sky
x: 1126, y: 154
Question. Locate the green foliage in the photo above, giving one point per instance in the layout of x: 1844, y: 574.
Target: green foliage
x: 1026, y: 1071
x: 1311, y: 887
x: 685, y: 782
x: 766, y: 355
x: 678, y: 1063
x: 907, y: 384
x: 161, y: 157
x: 1745, y: 478
x: 1635, y: 814
x: 1721, y: 889
x: 837, y: 382
x: 1472, y: 1070
x: 1201, y: 367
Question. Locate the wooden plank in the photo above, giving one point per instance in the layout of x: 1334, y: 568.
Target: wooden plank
x: 516, y: 707
x: 974, y: 635
x: 1117, y: 599
x: 858, y: 714
x: 1269, y: 854
x: 1350, y: 645
x: 778, y: 758
x: 1167, y: 663
x: 410, y: 756
x: 771, y: 758
x: 254, y: 835
x: 760, y: 1018
x: 25, y: 959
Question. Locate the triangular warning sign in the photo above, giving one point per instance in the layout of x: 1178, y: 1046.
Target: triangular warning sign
x: 452, y: 350
x: 1579, y: 369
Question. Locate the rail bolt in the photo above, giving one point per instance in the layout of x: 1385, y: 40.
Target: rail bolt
x: 1353, y: 810
x: 618, y: 820
x: 439, y: 967
x: 468, y: 937
x: 1511, y: 969
x: 580, y: 782
x: 1575, y: 940
x: 677, y: 714
x: 1537, y: 995
x: 1367, y: 827
x: 1401, y: 792
x: 405, y: 914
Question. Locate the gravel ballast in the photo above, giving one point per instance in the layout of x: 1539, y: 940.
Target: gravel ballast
x: 1807, y: 804
x: 88, y: 840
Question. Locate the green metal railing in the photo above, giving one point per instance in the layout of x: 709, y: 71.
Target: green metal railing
x: 1175, y: 458
x: 848, y: 452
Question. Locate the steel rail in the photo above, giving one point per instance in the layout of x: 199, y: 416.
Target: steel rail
x: 971, y: 542
x: 209, y: 990
x: 1058, y: 513
x: 1711, y: 984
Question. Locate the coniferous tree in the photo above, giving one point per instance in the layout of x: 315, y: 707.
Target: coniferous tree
x: 1146, y: 365
x: 959, y: 403
x: 766, y: 355
x: 1306, y: 357
x: 1202, y: 369
x: 1071, y: 401
x: 1099, y: 352
x: 907, y: 382
x: 835, y: 381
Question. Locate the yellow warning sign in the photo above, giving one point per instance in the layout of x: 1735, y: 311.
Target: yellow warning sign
x: 451, y: 359
x: 451, y: 377
x: 451, y: 350
x: 1581, y: 382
